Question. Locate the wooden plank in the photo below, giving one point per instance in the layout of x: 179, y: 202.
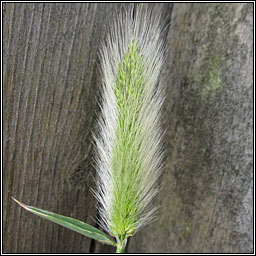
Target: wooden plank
x: 207, y: 200
x: 50, y: 92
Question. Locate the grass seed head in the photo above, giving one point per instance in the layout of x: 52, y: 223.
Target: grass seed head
x: 129, y: 146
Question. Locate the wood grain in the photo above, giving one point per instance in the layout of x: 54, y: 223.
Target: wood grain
x: 207, y: 194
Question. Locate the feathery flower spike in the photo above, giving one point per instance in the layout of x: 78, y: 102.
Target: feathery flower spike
x: 129, y: 149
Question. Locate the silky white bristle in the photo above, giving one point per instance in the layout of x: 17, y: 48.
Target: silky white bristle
x: 129, y: 146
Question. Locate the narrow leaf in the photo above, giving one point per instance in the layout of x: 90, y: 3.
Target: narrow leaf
x: 73, y: 224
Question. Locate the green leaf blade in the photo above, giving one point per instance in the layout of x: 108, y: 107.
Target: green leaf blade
x: 70, y: 223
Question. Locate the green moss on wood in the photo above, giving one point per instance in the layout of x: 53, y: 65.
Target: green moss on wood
x: 186, y: 232
x: 208, y: 79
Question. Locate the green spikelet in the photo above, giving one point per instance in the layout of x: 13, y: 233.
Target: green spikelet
x: 129, y: 151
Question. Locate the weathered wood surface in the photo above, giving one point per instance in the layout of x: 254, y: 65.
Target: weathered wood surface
x: 207, y: 193
x: 50, y: 86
